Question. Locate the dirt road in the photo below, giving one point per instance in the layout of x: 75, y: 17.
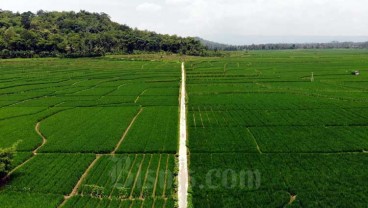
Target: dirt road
x: 183, y: 163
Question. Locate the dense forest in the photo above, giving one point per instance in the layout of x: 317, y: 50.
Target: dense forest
x: 81, y: 34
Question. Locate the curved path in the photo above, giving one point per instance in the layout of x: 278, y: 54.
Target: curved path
x: 44, y: 140
x: 34, y: 152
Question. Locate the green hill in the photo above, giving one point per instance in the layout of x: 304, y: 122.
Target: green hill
x: 81, y: 34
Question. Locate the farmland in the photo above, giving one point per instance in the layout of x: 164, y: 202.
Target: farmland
x: 76, y: 121
x: 159, y: 136
x: 80, y: 123
x: 263, y: 133
x: 262, y: 130
x: 138, y: 177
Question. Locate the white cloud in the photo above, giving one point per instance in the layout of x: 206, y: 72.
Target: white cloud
x: 148, y: 7
x: 175, y: 2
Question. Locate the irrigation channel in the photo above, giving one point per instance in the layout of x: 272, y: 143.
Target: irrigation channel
x: 183, y: 162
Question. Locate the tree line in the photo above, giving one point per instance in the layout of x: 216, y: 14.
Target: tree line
x: 283, y: 46
x: 81, y: 34
x: 290, y: 46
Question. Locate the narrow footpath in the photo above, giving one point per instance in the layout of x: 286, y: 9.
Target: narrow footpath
x: 183, y: 162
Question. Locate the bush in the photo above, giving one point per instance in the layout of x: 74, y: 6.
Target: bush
x: 44, y: 54
x: 5, y: 53
x: 16, y: 54
x: 96, y: 191
x: 82, y: 54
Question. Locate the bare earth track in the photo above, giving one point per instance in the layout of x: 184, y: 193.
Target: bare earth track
x: 75, y: 189
x: 183, y: 161
x: 44, y: 140
x: 126, y: 131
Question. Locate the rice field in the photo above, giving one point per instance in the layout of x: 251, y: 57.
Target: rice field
x: 262, y: 130
x: 265, y: 132
x: 77, y: 122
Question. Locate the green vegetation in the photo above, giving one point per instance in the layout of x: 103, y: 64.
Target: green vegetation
x: 263, y: 133
x: 29, y: 200
x: 81, y: 34
x: 6, y: 161
x: 108, y: 128
x: 59, y: 174
x: 67, y: 111
x: 19, y: 158
x: 22, y: 128
x: 155, y: 130
x: 128, y: 177
x: 96, y: 129
x: 221, y: 140
x: 312, y: 139
x: 314, y: 178
x: 91, y: 203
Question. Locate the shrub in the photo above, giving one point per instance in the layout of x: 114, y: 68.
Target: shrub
x: 96, y: 191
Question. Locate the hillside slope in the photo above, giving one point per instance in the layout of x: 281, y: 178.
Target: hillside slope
x: 81, y: 34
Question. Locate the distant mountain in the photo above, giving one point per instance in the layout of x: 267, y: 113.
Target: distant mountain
x: 211, y: 45
x: 282, y: 46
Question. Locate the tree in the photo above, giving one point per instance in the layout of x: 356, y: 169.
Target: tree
x: 10, y: 38
x: 26, y: 19
x: 6, y: 159
x: 29, y: 39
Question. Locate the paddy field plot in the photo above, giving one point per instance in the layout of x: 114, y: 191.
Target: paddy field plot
x: 263, y: 134
x: 72, y: 116
x: 92, y: 203
x: 154, y: 131
x: 269, y: 180
x: 52, y: 173
x: 132, y: 177
x: 29, y: 200
x: 95, y: 129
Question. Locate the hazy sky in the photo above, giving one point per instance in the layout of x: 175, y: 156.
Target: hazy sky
x: 229, y: 21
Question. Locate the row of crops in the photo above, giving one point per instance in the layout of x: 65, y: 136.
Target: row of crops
x: 262, y: 133
x: 104, y: 132
x: 110, y: 129
x: 317, y: 180
x: 146, y: 203
x: 121, y: 181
